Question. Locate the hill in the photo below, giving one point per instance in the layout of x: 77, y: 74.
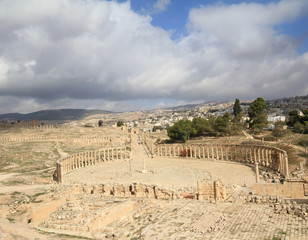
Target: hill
x: 52, y: 115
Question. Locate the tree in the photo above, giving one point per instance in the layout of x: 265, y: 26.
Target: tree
x: 237, y: 110
x: 155, y: 128
x: 299, y: 128
x: 100, y: 123
x: 204, y: 127
x: 222, y: 124
x: 181, y: 130
x: 298, y: 122
x: 257, y: 116
x: 278, y: 130
x: 293, y: 118
x: 120, y: 123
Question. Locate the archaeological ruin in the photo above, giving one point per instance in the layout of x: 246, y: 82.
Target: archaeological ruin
x: 128, y: 185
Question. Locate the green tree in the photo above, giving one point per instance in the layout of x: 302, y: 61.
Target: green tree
x: 299, y: 128
x: 257, y: 116
x: 155, y: 128
x: 305, y: 117
x: 278, y: 130
x: 293, y: 118
x: 120, y: 123
x: 299, y: 123
x: 181, y: 131
x: 203, y: 127
x: 100, y: 123
x: 222, y: 124
x: 237, y: 110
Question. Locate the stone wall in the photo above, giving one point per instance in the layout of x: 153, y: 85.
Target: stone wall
x: 211, y: 191
x: 206, y: 190
x: 286, y: 190
x: 137, y: 190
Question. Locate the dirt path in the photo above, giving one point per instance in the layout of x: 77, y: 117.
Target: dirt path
x: 18, y: 230
x: 22, y: 188
x: 6, y: 176
x: 61, y: 152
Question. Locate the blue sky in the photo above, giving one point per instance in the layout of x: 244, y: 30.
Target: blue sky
x: 174, y: 17
x: 139, y: 54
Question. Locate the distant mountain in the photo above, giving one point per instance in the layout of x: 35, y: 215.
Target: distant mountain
x: 52, y: 115
x: 183, y: 107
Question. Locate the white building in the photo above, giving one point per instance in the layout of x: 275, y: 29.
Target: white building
x: 276, y: 118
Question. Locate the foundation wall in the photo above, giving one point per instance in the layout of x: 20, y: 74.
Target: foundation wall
x: 285, y: 190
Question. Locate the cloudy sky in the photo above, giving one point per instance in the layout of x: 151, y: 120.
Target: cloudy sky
x: 125, y: 55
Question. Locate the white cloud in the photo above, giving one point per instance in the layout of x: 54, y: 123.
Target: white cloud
x: 66, y: 53
x: 161, y: 5
x: 246, y: 30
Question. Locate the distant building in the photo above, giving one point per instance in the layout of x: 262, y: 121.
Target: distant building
x: 276, y: 118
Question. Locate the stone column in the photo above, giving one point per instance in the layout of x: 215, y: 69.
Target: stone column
x: 246, y: 157
x: 286, y: 165
x: 266, y: 156
x: 257, y: 172
x: 59, y: 172
x: 74, y: 160
x: 280, y: 162
x: 263, y: 158
x: 222, y: 153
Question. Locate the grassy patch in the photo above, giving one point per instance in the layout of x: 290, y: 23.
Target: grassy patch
x: 64, y: 235
x: 39, y: 194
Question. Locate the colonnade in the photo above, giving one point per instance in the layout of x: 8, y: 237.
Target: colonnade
x: 90, y: 158
x: 52, y: 138
x: 271, y: 157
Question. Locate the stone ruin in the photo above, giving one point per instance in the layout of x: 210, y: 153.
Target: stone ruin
x: 90, y: 210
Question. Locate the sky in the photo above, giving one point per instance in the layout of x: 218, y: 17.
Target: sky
x: 142, y: 54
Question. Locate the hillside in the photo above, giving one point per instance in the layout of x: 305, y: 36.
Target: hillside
x: 52, y: 115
